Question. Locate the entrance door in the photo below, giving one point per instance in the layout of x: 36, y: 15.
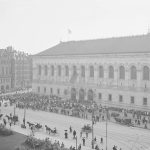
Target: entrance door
x: 90, y: 95
x: 81, y: 95
x: 73, y: 94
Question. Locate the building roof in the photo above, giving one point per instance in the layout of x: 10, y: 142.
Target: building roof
x: 129, y: 44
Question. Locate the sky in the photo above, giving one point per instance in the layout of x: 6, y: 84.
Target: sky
x: 35, y: 25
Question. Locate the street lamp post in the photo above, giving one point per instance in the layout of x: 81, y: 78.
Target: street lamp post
x: 14, y: 108
x: 92, y: 128
x: 24, y: 114
x: 76, y: 143
x: 106, y: 126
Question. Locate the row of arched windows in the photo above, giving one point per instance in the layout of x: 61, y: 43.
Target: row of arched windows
x: 122, y: 72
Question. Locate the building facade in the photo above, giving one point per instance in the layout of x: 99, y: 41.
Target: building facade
x: 112, y: 72
x: 15, y: 69
x: 22, y: 72
x: 5, y: 70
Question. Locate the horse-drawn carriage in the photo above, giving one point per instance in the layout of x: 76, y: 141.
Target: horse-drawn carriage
x: 87, y: 128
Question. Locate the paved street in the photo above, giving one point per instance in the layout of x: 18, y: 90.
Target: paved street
x: 128, y: 138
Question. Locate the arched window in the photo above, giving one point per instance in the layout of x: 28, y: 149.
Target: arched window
x: 101, y: 72
x: 39, y: 69
x: 133, y: 73
x: 145, y: 73
x: 3, y: 71
x: 82, y: 71
x: 74, y: 70
x: 121, y: 72
x: 59, y: 70
x: 52, y: 70
x: 91, y: 71
x: 46, y: 70
x: 111, y: 72
x: 66, y: 70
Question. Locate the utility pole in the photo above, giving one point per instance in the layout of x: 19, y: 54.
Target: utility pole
x: 92, y: 128
x: 106, y: 127
x: 76, y: 143
x: 24, y: 114
x: 14, y: 108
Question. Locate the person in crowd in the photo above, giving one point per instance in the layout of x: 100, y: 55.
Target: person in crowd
x: 74, y: 134
x: 83, y: 140
x: 86, y: 134
x: 79, y: 147
x: 70, y: 129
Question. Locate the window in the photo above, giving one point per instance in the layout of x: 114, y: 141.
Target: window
x: 132, y: 99
x: 46, y: 70
x: 111, y: 72
x: 38, y: 89
x: 66, y: 70
x: 44, y: 89
x: 122, y: 72
x: 145, y: 73
x: 51, y: 90
x: 101, y: 72
x: 59, y: 70
x: 133, y: 73
x: 52, y: 70
x: 91, y: 71
x: 2, y: 70
x: 82, y: 71
x: 74, y: 71
x: 100, y: 96
x: 144, y: 101
x: 109, y: 97
x: 120, y: 98
x: 58, y: 91
x: 39, y: 70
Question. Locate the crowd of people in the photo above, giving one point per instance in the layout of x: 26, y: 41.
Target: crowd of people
x: 78, y: 109
x: 84, y: 109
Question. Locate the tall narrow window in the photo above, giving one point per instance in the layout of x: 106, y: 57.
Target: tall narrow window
x: 74, y: 70
x: 44, y: 89
x: 122, y: 72
x: 132, y: 99
x: 66, y: 70
x: 120, y: 98
x: 52, y: 70
x: 133, y: 73
x: 109, y: 97
x: 101, y: 72
x: 144, y: 101
x: 82, y: 71
x: 59, y: 70
x: 111, y: 72
x: 91, y: 71
x: 145, y: 73
x: 46, y: 70
x: 39, y: 70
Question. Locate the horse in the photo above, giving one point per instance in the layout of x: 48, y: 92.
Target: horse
x: 8, y: 117
x: 48, y: 129
x: 30, y: 124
